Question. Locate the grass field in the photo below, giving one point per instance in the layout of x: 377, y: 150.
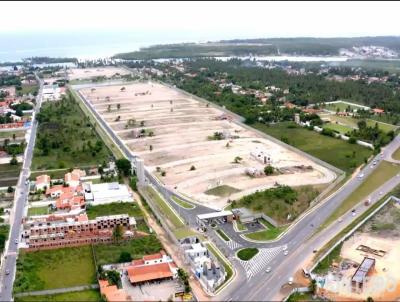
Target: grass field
x: 115, y: 208
x: 396, y: 154
x: 247, y: 253
x: 382, y: 173
x: 29, y: 89
x: 183, y: 203
x: 222, y: 234
x: 240, y: 226
x: 57, y: 268
x: 109, y: 253
x: 66, y: 138
x: 4, y: 231
x: 341, y: 106
x: 9, y: 134
x: 85, y: 295
x: 339, y: 128
x: 268, y: 234
x: 334, y: 151
x: 38, y: 211
x: 222, y: 191
x: 352, y: 123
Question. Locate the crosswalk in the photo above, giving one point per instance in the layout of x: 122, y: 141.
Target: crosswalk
x: 260, y: 261
x: 233, y: 245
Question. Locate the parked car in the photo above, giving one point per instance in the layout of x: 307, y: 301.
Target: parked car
x: 286, y: 253
x: 7, y: 271
x: 268, y: 269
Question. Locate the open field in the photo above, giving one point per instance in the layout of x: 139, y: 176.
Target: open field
x: 341, y: 106
x: 115, y: 208
x: 350, y: 122
x: 84, y: 296
x: 382, y: 173
x: 9, y: 134
x: 38, y: 211
x: 57, y: 268
x: 9, y: 174
x: 267, y: 234
x: 176, y: 136
x: 337, y: 152
x: 396, y: 154
x: 86, y: 73
x: 337, y: 127
x: 137, y: 248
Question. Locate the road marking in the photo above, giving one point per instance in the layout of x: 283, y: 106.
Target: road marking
x: 260, y: 261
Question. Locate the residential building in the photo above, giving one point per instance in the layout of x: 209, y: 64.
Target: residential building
x: 48, y: 234
x: 42, y: 182
x: 112, y: 292
x: 73, y: 178
x: 155, y: 267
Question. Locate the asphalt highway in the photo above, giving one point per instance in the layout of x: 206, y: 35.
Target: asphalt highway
x: 8, y: 268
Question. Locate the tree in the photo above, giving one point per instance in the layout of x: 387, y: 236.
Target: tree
x: 151, y: 147
x: 14, y: 161
x: 268, y: 170
x: 10, y: 189
x: 14, y: 136
x: 370, y: 299
x: 142, y: 124
x: 237, y: 159
x: 114, y: 278
x: 109, y: 108
x: 125, y: 257
x: 118, y: 106
x: 313, y: 286
x: 192, y: 168
x: 124, y: 166
x: 163, y: 173
x: 117, y: 234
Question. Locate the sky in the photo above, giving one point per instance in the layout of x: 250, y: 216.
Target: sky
x: 202, y: 21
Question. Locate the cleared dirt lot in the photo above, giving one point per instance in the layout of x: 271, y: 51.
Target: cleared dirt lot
x: 87, y: 73
x: 173, y: 132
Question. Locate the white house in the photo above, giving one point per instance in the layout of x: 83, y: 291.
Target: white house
x: 106, y: 193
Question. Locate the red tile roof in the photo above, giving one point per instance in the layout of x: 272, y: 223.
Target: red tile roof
x: 151, y: 272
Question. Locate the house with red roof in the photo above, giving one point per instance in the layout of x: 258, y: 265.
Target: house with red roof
x: 72, y: 179
x: 378, y: 111
x: 42, y: 182
x: 112, y: 293
x: 155, y: 267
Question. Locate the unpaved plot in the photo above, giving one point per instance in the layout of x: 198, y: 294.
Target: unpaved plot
x: 86, y: 73
x: 173, y: 132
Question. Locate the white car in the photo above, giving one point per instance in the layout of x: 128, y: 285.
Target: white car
x: 380, y: 193
x: 268, y: 270
x: 286, y: 253
x: 361, y: 175
x: 16, y: 241
x: 340, y: 219
x: 284, y: 247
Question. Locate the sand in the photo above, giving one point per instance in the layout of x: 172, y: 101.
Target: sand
x: 182, y: 126
x: 87, y: 73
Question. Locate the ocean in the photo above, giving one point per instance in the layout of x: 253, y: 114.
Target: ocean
x: 84, y: 45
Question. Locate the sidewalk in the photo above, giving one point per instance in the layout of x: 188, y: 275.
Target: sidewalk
x: 172, y: 250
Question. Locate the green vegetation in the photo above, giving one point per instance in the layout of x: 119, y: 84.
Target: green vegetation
x: 223, y: 235
x: 137, y: 248
x: 38, y: 211
x: 100, y: 131
x: 396, y: 154
x: 333, y: 256
x: 10, y: 134
x: 266, y: 223
x: 334, y: 151
x: 338, y: 128
x: 4, y: 231
x: 84, y: 296
x: 9, y: 174
x: 222, y: 191
x: 59, y: 268
x: 190, y: 50
x: 240, y: 226
x: 183, y: 203
x: 279, y: 202
x: 381, y: 174
x: 300, y: 297
x: 165, y: 209
x: 30, y: 89
x: 66, y: 137
x: 268, y: 234
x: 341, y: 106
x: 115, y: 208
x: 247, y: 253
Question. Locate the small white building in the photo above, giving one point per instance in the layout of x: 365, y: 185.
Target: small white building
x: 104, y: 193
x: 51, y: 92
x: 261, y: 156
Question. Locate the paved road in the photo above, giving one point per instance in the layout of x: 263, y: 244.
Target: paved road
x: 20, y: 201
x: 266, y: 286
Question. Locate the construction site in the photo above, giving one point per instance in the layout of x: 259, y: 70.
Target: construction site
x: 368, y: 265
x: 200, y: 150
